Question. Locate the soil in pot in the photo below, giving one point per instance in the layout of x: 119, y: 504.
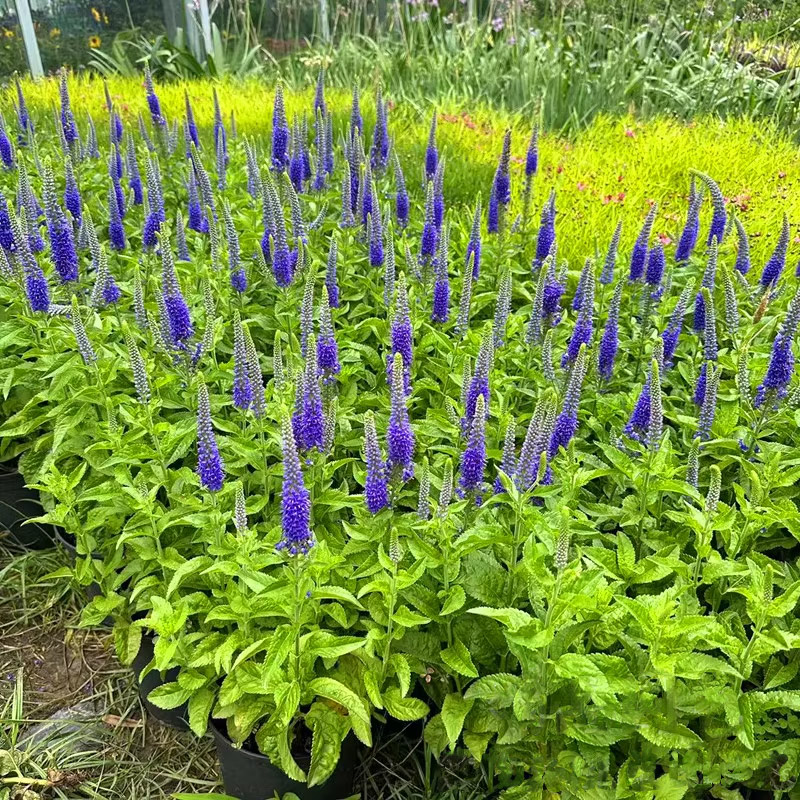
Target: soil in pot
x: 18, y: 504
x: 174, y: 717
x: 250, y: 775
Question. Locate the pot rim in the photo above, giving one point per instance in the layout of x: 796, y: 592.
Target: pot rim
x: 221, y: 737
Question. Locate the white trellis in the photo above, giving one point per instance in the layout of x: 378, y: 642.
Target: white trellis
x: 29, y: 38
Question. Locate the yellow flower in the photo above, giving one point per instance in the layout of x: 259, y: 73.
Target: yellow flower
x: 94, y: 42
x: 55, y: 32
x: 95, y: 14
x: 8, y: 33
x: 105, y: 18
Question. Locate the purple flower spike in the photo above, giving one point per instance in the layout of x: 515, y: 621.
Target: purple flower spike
x: 431, y: 151
x: 567, y: 421
x: 320, y: 106
x: 116, y: 232
x: 191, y: 125
x: 641, y: 246
x: 691, y: 230
x: 153, y: 103
x: 308, y: 419
x: 297, y: 171
x: 779, y: 372
x: 72, y: 196
x: 6, y: 148
x: 401, y: 334
x: 532, y: 155
x: 134, y: 176
x: 742, y: 248
x: 781, y: 363
x: 331, y: 282
x: 474, y: 244
x: 36, y: 288
x: 67, y: 118
x: 473, y: 459
x: 509, y: 461
x: 376, y: 489
x: 774, y: 267
x: 672, y: 332
x: 399, y: 436
x: 356, y: 120
x: 609, y: 344
x: 709, y: 280
x: 708, y: 407
x: 282, y: 266
x: 607, y: 275
x: 375, y: 233
x: 379, y: 152
x: 280, y: 132
x: 428, y: 244
x: 24, y: 121
x: 6, y: 232
x: 441, y: 285
x: 220, y: 134
x: 295, y: 500
x: 438, y: 196
x: 62, y: 244
x: 553, y: 290
x: 479, y: 385
x: 655, y: 267
x: 700, y: 387
x: 584, y: 325
x: 500, y: 195
x: 639, y: 421
x: 401, y: 203
x: 719, y: 218
x: 546, y: 237
x: 242, y: 388
x: 178, y: 318
x: 327, y: 349
x: 210, y: 467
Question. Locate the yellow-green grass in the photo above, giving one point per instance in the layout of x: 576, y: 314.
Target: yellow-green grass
x: 756, y: 165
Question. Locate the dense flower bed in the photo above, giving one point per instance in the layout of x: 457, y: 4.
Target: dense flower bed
x: 350, y: 453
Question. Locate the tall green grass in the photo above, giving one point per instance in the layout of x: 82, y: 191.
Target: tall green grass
x: 564, y: 62
x: 568, y: 73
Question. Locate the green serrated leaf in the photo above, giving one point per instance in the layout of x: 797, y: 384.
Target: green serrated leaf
x: 454, y: 711
x: 457, y: 657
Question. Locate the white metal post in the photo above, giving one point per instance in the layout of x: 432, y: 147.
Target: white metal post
x: 324, y: 21
x: 29, y: 38
x: 192, y: 30
x: 205, y: 26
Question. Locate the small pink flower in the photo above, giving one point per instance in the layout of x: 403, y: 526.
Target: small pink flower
x: 664, y: 239
x: 630, y: 133
x: 498, y: 23
x: 582, y: 187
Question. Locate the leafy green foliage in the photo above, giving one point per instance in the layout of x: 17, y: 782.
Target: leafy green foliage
x: 628, y: 623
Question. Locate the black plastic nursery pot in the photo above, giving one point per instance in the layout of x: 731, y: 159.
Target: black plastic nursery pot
x: 18, y: 504
x: 249, y: 775
x: 177, y: 718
